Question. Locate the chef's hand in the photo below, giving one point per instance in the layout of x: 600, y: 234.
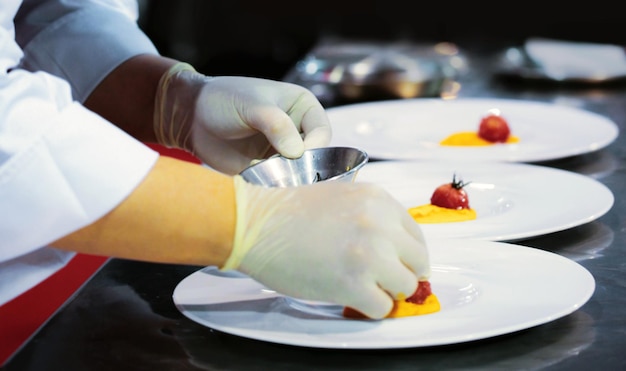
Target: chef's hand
x: 227, y: 122
x: 347, y: 243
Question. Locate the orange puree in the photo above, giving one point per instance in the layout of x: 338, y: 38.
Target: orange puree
x: 470, y: 138
x: 429, y: 213
x: 402, y: 308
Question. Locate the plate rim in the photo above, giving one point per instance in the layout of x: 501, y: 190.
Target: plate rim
x: 603, y: 190
x: 305, y: 340
x: 612, y: 130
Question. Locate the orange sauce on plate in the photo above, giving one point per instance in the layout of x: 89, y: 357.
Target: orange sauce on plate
x: 429, y: 214
x: 423, y: 301
x: 470, y: 138
x: 403, y: 308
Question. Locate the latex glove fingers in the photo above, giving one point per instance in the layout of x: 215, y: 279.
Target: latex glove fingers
x: 370, y: 300
x: 229, y: 156
x: 288, y: 115
x: 311, y: 116
x: 410, y: 254
x: 375, y: 299
x: 400, y: 229
x: 230, y: 121
x: 338, y: 242
x: 395, y: 236
x: 236, y: 109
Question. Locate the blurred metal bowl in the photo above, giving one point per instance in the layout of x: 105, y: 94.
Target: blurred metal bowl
x: 358, y: 71
x: 315, y: 165
x: 391, y: 74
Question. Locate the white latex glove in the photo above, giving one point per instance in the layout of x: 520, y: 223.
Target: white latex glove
x: 230, y: 121
x: 351, y: 244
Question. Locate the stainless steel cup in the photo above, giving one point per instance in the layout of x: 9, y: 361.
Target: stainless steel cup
x: 315, y: 165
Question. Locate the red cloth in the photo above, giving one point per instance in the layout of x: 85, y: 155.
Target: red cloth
x: 172, y: 152
x: 21, y: 317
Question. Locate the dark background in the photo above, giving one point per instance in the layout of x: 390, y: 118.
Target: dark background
x: 266, y: 38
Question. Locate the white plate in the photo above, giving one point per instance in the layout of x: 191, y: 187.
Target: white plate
x: 564, y: 61
x: 412, y: 129
x: 512, y: 200
x: 485, y: 289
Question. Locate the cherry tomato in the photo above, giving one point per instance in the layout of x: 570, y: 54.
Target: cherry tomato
x: 451, y: 195
x: 419, y: 296
x: 422, y: 292
x: 494, y: 128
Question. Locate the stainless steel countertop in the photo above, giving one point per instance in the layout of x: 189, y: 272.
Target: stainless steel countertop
x: 124, y: 317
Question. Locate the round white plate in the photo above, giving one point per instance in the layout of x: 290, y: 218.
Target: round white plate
x: 512, y: 200
x: 412, y: 129
x: 485, y: 289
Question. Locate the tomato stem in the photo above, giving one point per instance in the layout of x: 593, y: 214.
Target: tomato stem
x: 458, y: 184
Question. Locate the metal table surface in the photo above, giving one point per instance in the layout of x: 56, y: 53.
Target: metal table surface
x: 124, y: 317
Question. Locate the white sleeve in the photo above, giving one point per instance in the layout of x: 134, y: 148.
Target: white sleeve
x: 81, y: 41
x: 62, y: 167
x: 22, y: 273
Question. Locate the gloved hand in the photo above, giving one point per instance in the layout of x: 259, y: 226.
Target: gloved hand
x: 228, y: 122
x: 347, y: 243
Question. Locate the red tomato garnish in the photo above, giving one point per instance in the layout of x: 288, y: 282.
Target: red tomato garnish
x: 451, y: 195
x: 422, y: 292
x: 419, y: 296
x: 494, y: 128
x: 352, y: 313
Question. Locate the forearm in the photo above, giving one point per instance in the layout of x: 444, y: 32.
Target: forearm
x: 126, y: 96
x: 181, y: 213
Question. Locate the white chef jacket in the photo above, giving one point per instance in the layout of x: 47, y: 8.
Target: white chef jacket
x: 61, y: 166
